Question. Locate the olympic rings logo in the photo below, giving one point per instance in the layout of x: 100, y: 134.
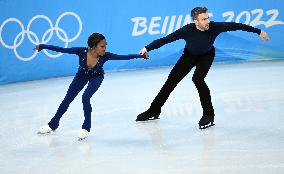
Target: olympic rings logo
x: 34, y: 39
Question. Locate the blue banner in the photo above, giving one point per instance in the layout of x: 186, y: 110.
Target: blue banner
x: 128, y: 27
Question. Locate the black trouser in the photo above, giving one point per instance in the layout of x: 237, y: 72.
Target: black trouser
x: 183, y: 66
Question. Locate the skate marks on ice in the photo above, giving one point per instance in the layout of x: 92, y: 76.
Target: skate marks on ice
x: 247, y: 138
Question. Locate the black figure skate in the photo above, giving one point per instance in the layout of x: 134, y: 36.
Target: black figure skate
x: 148, y: 115
x: 206, y: 121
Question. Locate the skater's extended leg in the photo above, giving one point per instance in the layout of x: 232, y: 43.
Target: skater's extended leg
x: 75, y: 87
x: 199, y: 75
x: 94, y: 84
x: 179, y: 71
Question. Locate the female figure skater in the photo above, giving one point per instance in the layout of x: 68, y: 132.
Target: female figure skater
x: 90, y: 71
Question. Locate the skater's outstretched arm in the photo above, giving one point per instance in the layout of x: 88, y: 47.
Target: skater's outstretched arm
x: 233, y: 26
x: 73, y: 50
x: 111, y: 56
x: 176, y: 35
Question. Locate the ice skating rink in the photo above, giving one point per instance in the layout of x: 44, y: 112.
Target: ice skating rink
x: 248, y: 136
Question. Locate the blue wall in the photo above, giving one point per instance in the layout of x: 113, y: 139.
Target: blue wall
x: 128, y: 26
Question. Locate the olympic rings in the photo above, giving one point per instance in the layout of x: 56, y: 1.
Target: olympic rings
x: 47, y: 36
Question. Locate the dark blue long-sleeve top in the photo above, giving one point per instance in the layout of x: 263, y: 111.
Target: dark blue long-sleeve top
x: 200, y: 42
x: 82, y: 53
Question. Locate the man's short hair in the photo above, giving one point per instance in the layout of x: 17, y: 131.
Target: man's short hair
x: 197, y: 11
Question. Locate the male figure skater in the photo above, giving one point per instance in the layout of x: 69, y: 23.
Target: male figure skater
x: 199, y: 52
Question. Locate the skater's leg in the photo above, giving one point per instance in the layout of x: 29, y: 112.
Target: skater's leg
x: 75, y: 87
x: 94, y: 84
x: 179, y: 71
x: 200, y: 73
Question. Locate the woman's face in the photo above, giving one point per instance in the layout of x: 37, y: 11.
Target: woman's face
x: 100, y: 49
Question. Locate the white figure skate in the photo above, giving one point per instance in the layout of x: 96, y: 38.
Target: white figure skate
x: 44, y: 130
x: 83, y: 134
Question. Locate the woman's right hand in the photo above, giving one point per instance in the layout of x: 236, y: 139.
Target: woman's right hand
x: 37, y: 48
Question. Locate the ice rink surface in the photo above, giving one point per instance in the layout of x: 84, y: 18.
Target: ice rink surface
x: 248, y: 136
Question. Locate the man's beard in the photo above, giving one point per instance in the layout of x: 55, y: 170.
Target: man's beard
x: 206, y: 27
x: 203, y: 28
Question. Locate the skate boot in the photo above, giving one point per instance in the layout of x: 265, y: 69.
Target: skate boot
x: 206, y: 121
x: 83, y: 133
x: 148, y: 115
x: 44, y: 130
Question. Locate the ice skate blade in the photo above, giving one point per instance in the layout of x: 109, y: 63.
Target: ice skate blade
x: 81, y: 139
x: 206, y: 126
x: 154, y: 118
x: 148, y: 119
x: 45, y: 133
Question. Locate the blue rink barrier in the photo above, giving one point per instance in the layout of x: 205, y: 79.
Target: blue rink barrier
x: 128, y: 27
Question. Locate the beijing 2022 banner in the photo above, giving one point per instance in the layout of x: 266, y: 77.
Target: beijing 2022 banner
x: 128, y: 25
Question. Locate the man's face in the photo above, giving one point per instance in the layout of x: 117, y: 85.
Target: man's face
x: 202, y: 21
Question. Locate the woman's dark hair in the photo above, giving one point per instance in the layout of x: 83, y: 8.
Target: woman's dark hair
x: 197, y: 11
x: 94, y: 39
